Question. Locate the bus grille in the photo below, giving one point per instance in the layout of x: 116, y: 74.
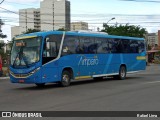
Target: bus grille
x: 20, y: 75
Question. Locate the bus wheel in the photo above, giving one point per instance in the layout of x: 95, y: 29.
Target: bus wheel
x: 122, y: 73
x: 66, y: 79
x: 40, y: 85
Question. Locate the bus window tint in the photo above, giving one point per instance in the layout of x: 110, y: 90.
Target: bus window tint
x: 133, y: 46
x: 117, y: 46
x: 51, y: 49
x: 70, y: 44
x: 111, y: 46
x: 141, y: 46
x: 52, y: 45
x: 102, y: 45
x: 126, y: 46
x: 87, y: 45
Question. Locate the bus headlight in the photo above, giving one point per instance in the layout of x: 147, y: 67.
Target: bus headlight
x: 34, y: 71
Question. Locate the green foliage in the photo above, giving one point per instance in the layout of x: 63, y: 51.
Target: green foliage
x: 2, y: 45
x: 61, y: 29
x: 124, y: 30
x: 1, y: 34
x: 31, y: 31
x: 158, y: 53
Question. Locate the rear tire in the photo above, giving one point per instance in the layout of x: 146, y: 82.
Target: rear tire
x: 122, y: 73
x: 65, y: 79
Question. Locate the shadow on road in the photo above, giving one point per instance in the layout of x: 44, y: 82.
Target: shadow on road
x: 76, y: 83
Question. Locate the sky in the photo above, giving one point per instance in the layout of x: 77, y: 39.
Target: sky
x: 144, y: 13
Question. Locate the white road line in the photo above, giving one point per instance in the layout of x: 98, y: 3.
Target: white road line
x: 152, y: 82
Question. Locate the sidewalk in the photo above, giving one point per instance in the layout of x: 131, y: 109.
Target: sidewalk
x: 151, y: 69
x: 4, y: 78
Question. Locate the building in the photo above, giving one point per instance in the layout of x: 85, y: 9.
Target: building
x: 55, y: 14
x: 15, y: 31
x: 52, y: 15
x: 159, y: 38
x: 75, y: 26
x: 152, y: 39
x: 29, y: 19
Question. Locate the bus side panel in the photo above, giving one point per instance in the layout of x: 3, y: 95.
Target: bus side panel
x: 69, y: 61
x: 88, y: 64
x: 50, y: 72
x: 110, y: 63
x: 139, y: 62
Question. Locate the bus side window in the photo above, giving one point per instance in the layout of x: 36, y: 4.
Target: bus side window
x: 69, y: 45
x: 49, y: 48
x: 126, y: 46
x: 134, y: 46
x: 102, y: 45
x: 86, y: 46
x: 141, y: 46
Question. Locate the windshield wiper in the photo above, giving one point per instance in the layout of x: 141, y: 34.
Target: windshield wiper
x: 24, y: 59
x: 20, y: 56
x: 16, y: 57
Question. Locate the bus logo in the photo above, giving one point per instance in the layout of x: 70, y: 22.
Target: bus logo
x: 84, y: 61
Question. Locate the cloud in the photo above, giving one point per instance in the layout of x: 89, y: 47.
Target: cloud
x: 23, y: 1
x: 153, y: 1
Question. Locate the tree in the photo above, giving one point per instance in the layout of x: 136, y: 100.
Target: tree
x: 61, y: 29
x: 1, y: 34
x: 31, y: 31
x: 125, y: 30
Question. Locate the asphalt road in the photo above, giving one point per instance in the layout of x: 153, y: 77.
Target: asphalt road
x: 139, y: 92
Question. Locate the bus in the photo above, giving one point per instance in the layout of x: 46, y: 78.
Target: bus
x: 61, y: 57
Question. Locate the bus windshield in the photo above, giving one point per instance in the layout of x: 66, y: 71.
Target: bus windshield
x: 25, y: 52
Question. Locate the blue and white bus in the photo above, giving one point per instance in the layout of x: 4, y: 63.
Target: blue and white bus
x: 58, y: 56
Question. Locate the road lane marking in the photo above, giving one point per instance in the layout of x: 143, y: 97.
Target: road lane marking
x: 152, y: 82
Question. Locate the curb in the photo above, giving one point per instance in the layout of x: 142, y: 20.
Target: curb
x: 2, y: 78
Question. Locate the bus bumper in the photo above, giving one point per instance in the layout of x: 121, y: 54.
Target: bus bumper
x: 26, y: 78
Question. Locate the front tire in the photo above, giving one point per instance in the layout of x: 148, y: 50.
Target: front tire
x: 65, y: 79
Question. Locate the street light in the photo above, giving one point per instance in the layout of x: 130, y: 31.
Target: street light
x: 110, y: 20
x: 106, y: 24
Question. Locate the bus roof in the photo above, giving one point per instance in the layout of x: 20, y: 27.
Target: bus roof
x: 36, y: 34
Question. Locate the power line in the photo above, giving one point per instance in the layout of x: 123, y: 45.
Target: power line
x: 2, y: 2
x: 19, y: 3
x: 31, y: 18
x: 42, y: 22
x: 20, y: 15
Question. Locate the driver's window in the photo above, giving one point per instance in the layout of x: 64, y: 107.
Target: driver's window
x: 49, y: 48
